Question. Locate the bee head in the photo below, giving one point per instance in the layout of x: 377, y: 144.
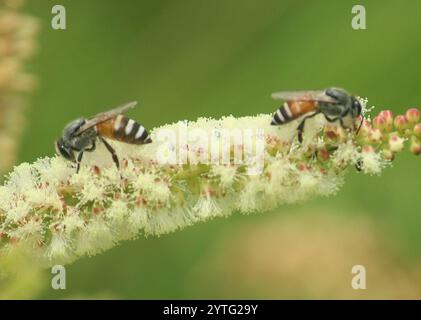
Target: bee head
x: 64, y: 150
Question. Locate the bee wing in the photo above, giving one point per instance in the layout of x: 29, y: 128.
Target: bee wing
x: 310, y: 95
x: 104, y: 116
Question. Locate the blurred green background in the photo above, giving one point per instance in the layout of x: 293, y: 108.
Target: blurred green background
x: 190, y: 58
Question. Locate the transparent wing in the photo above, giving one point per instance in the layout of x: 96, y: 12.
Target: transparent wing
x: 310, y: 95
x: 104, y: 116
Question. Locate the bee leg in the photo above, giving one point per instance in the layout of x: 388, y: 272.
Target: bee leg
x: 331, y: 119
x: 341, y: 121
x: 112, y: 151
x: 80, y: 155
x: 79, y: 160
x: 359, y: 165
x: 300, y: 127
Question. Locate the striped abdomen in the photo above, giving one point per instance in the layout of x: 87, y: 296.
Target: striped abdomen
x: 291, y: 110
x: 123, y: 129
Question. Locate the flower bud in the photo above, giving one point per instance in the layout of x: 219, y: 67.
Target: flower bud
x: 379, y: 122
x: 396, y: 143
x: 413, y: 115
x: 388, y: 154
x: 333, y: 133
x: 387, y: 114
x: 401, y: 122
x: 417, y: 130
x: 367, y: 149
x: 364, y: 129
x: 375, y: 136
x: 323, y: 154
x: 388, y: 117
x: 415, y: 146
x: 302, y: 167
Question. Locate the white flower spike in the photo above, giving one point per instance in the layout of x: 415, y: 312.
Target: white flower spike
x: 58, y: 215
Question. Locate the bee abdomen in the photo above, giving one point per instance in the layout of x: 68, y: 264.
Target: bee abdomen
x: 291, y: 110
x: 129, y: 131
x: 282, y: 115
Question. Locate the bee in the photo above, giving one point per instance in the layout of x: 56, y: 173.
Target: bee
x: 82, y: 134
x: 334, y: 103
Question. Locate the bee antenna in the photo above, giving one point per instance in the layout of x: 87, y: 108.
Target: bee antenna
x: 359, y: 127
x: 56, y: 142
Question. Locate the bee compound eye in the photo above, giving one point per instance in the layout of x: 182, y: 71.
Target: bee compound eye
x: 68, y: 154
x: 63, y: 150
x: 357, y: 106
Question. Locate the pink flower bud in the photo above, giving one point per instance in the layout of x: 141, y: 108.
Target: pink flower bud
x: 367, y: 149
x: 388, y: 117
x: 413, y: 115
x: 417, y: 130
x: 387, y: 114
x: 401, y: 122
x: 379, y: 122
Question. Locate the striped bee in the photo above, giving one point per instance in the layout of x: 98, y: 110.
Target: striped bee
x: 334, y: 103
x: 82, y: 134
